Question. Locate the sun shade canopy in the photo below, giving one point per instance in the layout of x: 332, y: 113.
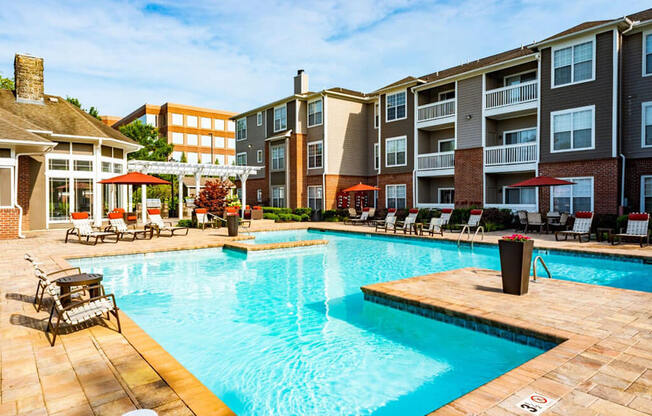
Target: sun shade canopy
x: 135, y: 178
x: 541, y: 181
x: 361, y: 187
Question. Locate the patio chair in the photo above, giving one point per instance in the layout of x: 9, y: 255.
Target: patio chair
x: 257, y: 213
x: 156, y: 223
x: 522, y: 220
x: 388, y: 224
x: 118, y: 225
x: 372, y: 213
x: 408, y: 224
x: 80, y: 311
x: 391, y: 212
x: 445, y: 218
x: 364, y: 217
x: 473, y: 222
x: 353, y: 213
x: 562, y: 225
x: 46, y: 278
x: 436, y: 225
x: 581, y: 227
x: 534, y: 219
x: 131, y: 218
x: 82, y: 227
x: 203, y: 219
x: 637, y: 229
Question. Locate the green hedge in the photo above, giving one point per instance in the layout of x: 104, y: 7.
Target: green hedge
x: 270, y: 216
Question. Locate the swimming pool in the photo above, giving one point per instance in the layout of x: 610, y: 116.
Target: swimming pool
x: 288, y: 332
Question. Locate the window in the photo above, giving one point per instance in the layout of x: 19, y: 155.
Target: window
x: 206, y: 159
x: 314, y: 197
x: 259, y: 156
x: 520, y: 78
x: 230, y: 143
x: 315, y: 113
x: 58, y: 164
x: 219, y: 142
x: 519, y: 196
x: 520, y: 136
x: 315, y: 153
x: 259, y: 118
x: 218, y: 124
x: 647, y: 53
x: 280, y: 118
x: 646, y: 193
x: 646, y: 129
x: 6, y: 194
x: 395, y: 152
x: 573, y: 198
x: 192, y: 157
x: 376, y: 157
x: 231, y: 125
x: 395, y: 106
x: 84, y: 195
x: 177, y: 119
x: 241, y: 159
x: 395, y: 196
x: 573, y: 64
x: 447, y: 145
x: 59, y: 207
x: 205, y: 123
x: 206, y: 141
x: 230, y: 160
x: 278, y: 157
x: 572, y: 129
x: 176, y: 156
x: 376, y: 115
x: 446, y: 195
x: 241, y: 129
x: 259, y: 195
x: 177, y: 138
x: 446, y: 95
x: 191, y: 121
x: 117, y: 168
x: 191, y: 139
x: 106, y: 167
x: 278, y: 196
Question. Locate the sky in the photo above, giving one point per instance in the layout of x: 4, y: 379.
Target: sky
x: 236, y: 55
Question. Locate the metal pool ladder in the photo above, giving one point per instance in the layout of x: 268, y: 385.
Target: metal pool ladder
x: 468, y: 231
x: 543, y: 263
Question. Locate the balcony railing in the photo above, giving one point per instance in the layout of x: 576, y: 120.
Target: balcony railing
x: 513, y: 94
x: 511, y: 154
x: 443, y: 160
x: 436, y: 110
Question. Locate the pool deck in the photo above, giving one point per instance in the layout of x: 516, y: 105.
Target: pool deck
x: 97, y: 371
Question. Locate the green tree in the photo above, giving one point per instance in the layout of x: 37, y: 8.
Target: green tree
x: 217, y: 161
x: 95, y: 113
x: 155, y: 146
x: 92, y: 111
x: 74, y: 101
x: 184, y: 159
x: 7, y: 83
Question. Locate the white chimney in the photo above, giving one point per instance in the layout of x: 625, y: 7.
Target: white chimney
x: 301, y: 82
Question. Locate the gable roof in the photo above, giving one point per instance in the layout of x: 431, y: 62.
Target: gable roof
x: 14, y: 128
x: 58, y: 116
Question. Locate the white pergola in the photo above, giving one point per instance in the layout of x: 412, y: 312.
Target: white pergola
x: 190, y: 169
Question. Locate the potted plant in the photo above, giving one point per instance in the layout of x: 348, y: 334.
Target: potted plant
x: 515, y: 259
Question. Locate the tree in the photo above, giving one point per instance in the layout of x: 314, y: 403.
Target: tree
x: 95, y: 113
x: 184, y: 159
x: 7, y: 83
x: 92, y: 111
x: 217, y: 161
x: 74, y: 101
x: 213, y: 196
x: 155, y: 146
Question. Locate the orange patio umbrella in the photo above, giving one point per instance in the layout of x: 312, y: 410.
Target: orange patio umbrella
x: 135, y: 178
x: 361, y: 187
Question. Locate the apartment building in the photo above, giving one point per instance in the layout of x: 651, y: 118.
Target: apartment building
x: 204, y: 135
x: 577, y: 105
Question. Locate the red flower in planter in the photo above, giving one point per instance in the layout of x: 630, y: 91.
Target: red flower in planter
x: 516, y: 237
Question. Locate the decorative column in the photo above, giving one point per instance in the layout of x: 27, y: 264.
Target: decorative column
x: 197, y: 182
x: 243, y: 181
x: 180, y: 179
x: 130, y: 198
x: 143, y: 202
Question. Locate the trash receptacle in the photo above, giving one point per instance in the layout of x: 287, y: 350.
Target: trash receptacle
x: 232, y: 224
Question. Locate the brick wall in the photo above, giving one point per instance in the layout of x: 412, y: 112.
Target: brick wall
x: 634, y: 169
x: 397, y: 179
x: 468, y: 177
x: 335, y: 183
x: 296, y: 191
x: 8, y: 223
x: 252, y: 187
x: 605, y: 181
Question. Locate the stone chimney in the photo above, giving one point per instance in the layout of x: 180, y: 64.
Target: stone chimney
x: 301, y: 82
x: 28, y: 76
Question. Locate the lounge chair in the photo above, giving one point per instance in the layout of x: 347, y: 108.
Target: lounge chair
x: 408, y: 224
x: 203, y: 219
x: 46, y: 278
x: 437, y: 224
x: 534, y: 219
x: 119, y: 226
x: 82, y: 227
x: 522, y: 220
x: 473, y: 222
x: 156, y: 224
x: 637, y: 229
x: 388, y: 224
x: 391, y: 212
x: 364, y: 217
x: 353, y: 213
x: 131, y: 218
x: 581, y: 227
x: 562, y: 225
x: 81, y: 311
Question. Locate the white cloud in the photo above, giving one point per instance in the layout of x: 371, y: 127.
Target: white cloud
x: 116, y: 55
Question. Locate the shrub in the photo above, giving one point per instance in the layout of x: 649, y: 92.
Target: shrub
x: 329, y: 214
x: 303, y: 211
x: 187, y: 223
x: 213, y: 196
x: 270, y: 216
x: 401, y: 214
x: 275, y: 210
x: 499, y: 218
x: 305, y: 217
x: 288, y: 217
x: 460, y: 216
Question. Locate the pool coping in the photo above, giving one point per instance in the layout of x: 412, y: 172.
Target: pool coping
x: 244, y: 247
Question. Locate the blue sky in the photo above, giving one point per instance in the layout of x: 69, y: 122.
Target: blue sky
x: 234, y: 55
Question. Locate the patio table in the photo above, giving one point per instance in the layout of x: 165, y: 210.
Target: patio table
x: 82, y: 279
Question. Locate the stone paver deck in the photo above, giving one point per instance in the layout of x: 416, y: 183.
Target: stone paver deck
x: 603, y: 368
x: 97, y: 371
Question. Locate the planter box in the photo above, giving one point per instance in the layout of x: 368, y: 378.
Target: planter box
x: 515, y: 260
x: 232, y: 224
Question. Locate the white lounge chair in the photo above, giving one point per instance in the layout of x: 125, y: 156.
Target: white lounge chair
x: 391, y: 212
x: 82, y: 227
x: 388, y: 224
x: 364, y: 217
x: 156, y: 223
x: 637, y: 229
x: 119, y: 226
x: 581, y: 227
x: 437, y: 224
x: 408, y: 224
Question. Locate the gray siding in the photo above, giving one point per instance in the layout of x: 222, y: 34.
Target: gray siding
x: 347, y: 141
x: 636, y: 89
x: 597, y: 92
x: 255, y: 139
x: 372, y: 138
x: 291, y: 118
x: 397, y: 128
x: 469, y: 102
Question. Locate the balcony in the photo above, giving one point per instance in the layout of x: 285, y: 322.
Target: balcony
x: 438, y: 113
x: 518, y: 156
x: 437, y: 163
x: 512, y: 99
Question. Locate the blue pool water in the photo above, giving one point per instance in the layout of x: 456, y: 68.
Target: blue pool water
x: 288, y: 332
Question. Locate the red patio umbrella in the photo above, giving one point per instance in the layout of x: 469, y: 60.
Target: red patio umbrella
x: 361, y: 187
x: 135, y: 178
x: 541, y: 181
